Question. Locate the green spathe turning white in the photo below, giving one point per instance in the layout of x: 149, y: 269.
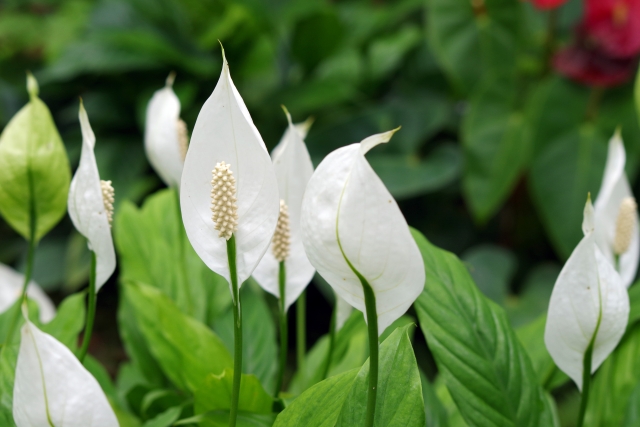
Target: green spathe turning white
x: 224, y: 136
x: 293, y: 169
x: 614, y: 191
x: 165, y: 135
x: 52, y: 388
x: 91, y: 205
x: 347, y: 212
x: 589, y: 303
x: 11, y: 283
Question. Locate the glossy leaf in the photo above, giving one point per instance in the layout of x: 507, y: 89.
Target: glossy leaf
x: 215, y: 394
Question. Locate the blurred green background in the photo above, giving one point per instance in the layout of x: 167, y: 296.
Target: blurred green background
x: 493, y: 162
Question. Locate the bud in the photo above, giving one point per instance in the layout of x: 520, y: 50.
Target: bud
x: 282, y: 236
x: 625, y: 225
x: 223, y: 200
x: 183, y: 138
x: 108, y: 197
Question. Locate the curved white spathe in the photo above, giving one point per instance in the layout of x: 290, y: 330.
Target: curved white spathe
x: 11, y: 288
x: 348, y: 212
x: 614, y: 188
x: 86, y: 205
x: 161, y: 135
x: 225, y: 132
x: 293, y: 169
x: 588, y: 299
x: 53, y: 388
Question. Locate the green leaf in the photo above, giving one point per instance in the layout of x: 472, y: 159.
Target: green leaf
x: 634, y: 302
x: 632, y: 416
x: 165, y: 419
x: 34, y: 170
x: 69, y: 321
x: 8, y: 359
x: 315, y: 37
x: 215, y: 394
x: 479, y: 357
x: 154, y: 249
x: 186, y: 349
x: 636, y: 93
x: 259, y: 345
x: 492, y: 269
x: 221, y: 419
x: 434, y: 411
x: 386, y: 53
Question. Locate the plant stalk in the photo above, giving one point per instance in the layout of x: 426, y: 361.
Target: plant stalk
x: 372, y: 327
x: 282, y: 274
x: 237, y: 331
x: 332, y: 339
x: 91, y: 310
x: 301, y: 330
x: 586, y: 384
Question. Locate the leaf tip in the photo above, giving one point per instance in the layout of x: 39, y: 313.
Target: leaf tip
x: 170, y: 79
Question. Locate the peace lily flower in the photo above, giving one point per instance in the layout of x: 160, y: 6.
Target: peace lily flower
x: 229, y: 198
x: 165, y: 137
x: 52, y: 388
x: 588, y: 310
x: 11, y: 289
x: 616, y: 217
x: 91, y: 205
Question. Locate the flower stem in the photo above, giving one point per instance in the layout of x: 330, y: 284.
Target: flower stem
x: 91, y: 310
x: 237, y: 331
x: 372, y: 327
x: 23, y: 295
x: 586, y: 383
x: 332, y: 339
x: 283, y: 327
x: 301, y: 330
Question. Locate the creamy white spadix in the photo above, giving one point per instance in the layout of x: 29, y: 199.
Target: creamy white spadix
x: 90, y: 205
x: 11, y: 283
x: 293, y: 168
x: 589, y: 303
x: 615, y: 198
x: 165, y: 137
x: 349, y: 216
x: 52, y: 388
x: 224, y: 136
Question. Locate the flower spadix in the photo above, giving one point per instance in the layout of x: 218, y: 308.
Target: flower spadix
x: 166, y: 137
x: 293, y: 169
x: 91, y: 205
x: 351, y: 222
x: 52, y: 388
x: 11, y: 288
x: 228, y: 185
x: 616, y: 217
x: 589, y: 306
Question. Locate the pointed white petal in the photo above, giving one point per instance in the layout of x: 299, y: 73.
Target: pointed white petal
x: 161, y: 140
x: 11, y: 286
x: 347, y: 209
x: 343, y: 312
x: 588, y: 295
x: 614, y: 188
x: 301, y: 128
x: 225, y: 132
x: 53, y: 388
x: 86, y: 206
x: 293, y: 169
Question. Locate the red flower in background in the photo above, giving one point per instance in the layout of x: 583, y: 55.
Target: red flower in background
x: 548, y: 4
x: 614, y: 25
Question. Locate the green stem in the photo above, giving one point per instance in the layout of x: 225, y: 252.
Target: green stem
x: 586, y: 383
x: 301, y: 330
x: 332, y: 339
x: 23, y: 295
x: 182, y: 268
x: 91, y: 310
x: 237, y: 331
x: 283, y: 327
x: 372, y: 327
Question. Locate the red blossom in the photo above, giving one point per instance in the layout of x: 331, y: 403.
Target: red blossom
x: 614, y: 25
x: 592, y: 66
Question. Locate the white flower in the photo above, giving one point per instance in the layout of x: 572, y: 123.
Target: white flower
x: 91, y: 205
x: 224, y: 135
x: 52, y: 388
x: 165, y: 136
x: 293, y: 169
x: 11, y: 283
x: 614, y: 190
x: 349, y: 216
x: 589, y: 303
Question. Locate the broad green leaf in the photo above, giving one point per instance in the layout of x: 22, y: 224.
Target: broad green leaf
x: 8, y: 358
x: 69, y: 321
x: 215, y: 394
x: 399, y: 401
x: 221, y: 419
x: 186, y: 349
x: 454, y: 418
x: 496, y: 139
x: 259, y: 345
x: 386, y: 53
x: 34, y: 170
x: 434, y: 411
x: 165, y: 419
x: 632, y: 415
x: 479, y: 357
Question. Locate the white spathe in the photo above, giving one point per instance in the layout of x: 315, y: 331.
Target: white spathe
x: 53, y: 388
x: 293, y: 169
x: 11, y: 288
x: 614, y: 188
x: 588, y: 299
x: 347, y: 212
x: 225, y: 132
x: 87, y: 208
x: 161, y: 135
